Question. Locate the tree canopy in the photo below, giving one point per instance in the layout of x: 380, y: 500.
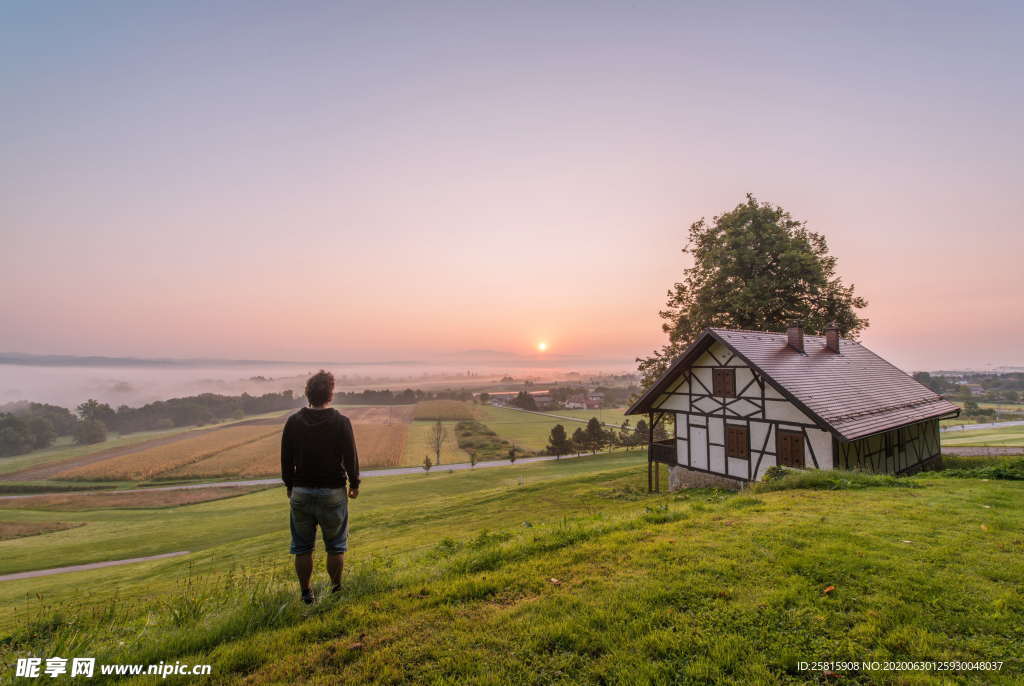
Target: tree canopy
x: 755, y: 267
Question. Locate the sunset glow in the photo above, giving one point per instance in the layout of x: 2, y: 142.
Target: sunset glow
x: 343, y: 201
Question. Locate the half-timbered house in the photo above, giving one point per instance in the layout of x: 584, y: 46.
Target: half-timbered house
x: 736, y: 403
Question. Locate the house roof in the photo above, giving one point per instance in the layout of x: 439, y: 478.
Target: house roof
x: 854, y: 394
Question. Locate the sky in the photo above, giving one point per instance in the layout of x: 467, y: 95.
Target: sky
x: 400, y: 180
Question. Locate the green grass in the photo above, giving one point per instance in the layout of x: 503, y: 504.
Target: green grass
x: 1004, y: 436
x: 614, y: 415
x: 559, y: 573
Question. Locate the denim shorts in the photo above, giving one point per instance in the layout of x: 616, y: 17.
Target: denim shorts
x: 326, y: 507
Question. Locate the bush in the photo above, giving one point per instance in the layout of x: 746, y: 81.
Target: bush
x: 830, y: 480
x: 1006, y: 470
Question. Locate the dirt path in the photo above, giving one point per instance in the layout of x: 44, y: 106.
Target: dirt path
x: 93, y: 565
x: 45, y: 471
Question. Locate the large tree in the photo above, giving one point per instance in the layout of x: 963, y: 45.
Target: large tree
x: 755, y: 267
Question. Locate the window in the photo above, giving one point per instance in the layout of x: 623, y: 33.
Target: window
x: 723, y: 382
x: 789, y: 448
x: 737, y: 441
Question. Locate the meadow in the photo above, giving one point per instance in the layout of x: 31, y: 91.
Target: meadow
x: 556, y: 573
x: 531, y: 430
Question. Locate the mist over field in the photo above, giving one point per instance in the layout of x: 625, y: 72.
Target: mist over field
x: 68, y: 385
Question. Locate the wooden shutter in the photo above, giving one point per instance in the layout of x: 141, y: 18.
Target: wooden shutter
x: 737, y: 441
x: 723, y: 382
x: 789, y: 448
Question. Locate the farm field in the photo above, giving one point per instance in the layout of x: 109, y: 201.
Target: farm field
x: 1005, y: 436
x: 161, y: 460
x: 9, y: 530
x: 65, y: 449
x: 444, y: 410
x: 261, y: 457
x: 594, y: 586
x: 386, y: 414
x: 43, y: 464
x: 249, y: 448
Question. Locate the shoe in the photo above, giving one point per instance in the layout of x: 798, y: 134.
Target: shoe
x: 308, y: 597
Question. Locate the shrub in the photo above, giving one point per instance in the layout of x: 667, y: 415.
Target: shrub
x: 830, y: 480
x: 1007, y: 470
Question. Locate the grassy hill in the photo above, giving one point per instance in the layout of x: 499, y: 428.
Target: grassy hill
x: 562, y: 572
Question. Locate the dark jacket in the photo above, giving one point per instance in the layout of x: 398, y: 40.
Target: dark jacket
x: 318, y: 450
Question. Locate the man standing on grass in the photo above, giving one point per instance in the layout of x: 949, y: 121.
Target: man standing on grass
x: 318, y: 456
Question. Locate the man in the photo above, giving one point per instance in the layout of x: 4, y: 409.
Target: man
x: 318, y: 456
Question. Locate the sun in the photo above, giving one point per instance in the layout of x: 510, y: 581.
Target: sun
x: 542, y: 346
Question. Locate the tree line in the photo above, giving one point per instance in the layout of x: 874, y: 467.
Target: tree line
x: 406, y: 397
x: 596, y: 437
x: 996, y: 388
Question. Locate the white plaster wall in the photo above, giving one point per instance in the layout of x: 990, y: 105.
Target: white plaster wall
x: 778, y: 410
x: 786, y: 411
x: 698, y: 448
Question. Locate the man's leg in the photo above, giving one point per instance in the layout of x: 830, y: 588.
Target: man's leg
x: 303, y: 526
x: 304, y: 570
x: 335, y: 562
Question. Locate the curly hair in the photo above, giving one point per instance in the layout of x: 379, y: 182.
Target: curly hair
x: 320, y: 388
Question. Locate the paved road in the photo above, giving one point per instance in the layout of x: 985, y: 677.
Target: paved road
x: 92, y: 565
x: 990, y: 425
x: 395, y: 471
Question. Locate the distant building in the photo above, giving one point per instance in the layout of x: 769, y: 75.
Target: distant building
x: 576, y: 402
x: 544, y: 400
x: 595, y: 400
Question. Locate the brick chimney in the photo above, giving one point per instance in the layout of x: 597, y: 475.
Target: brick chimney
x: 832, y: 337
x: 795, y: 336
